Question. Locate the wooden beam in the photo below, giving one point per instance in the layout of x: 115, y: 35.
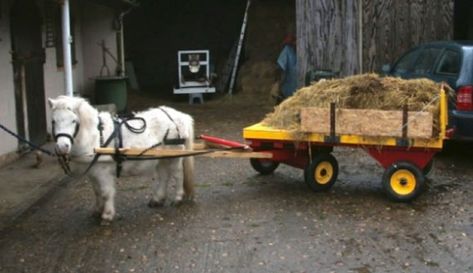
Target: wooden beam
x: 174, y: 153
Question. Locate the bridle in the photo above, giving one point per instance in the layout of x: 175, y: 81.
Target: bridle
x: 65, y: 159
x: 70, y: 137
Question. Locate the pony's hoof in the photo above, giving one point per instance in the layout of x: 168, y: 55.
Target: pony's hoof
x: 189, y: 198
x: 155, y: 204
x: 176, y: 203
x: 108, y: 216
x: 105, y: 223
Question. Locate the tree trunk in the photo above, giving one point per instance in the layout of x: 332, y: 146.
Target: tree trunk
x: 328, y: 32
x: 327, y: 36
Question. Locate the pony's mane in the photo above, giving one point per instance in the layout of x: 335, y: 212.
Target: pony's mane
x: 66, y: 102
x: 85, y: 111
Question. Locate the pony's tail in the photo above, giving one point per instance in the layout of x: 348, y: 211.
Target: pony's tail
x: 188, y: 163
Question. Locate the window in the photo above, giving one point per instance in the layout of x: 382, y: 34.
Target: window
x: 449, y: 63
x: 405, y: 63
x: 426, y: 60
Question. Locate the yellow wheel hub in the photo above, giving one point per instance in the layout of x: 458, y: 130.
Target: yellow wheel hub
x: 323, y: 172
x: 403, y: 182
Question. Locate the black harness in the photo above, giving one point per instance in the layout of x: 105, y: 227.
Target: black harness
x: 117, y: 135
x: 118, y: 124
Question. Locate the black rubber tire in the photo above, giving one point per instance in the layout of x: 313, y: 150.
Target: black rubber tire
x: 263, y: 166
x: 322, y: 172
x: 403, y: 181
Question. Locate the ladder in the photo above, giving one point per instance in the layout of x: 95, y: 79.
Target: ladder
x: 222, y: 82
x: 238, y: 50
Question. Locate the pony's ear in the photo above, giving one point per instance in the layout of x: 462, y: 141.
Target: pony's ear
x: 51, y: 102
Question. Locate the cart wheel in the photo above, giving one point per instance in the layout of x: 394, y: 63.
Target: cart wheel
x: 322, y: 172
x: 428, y: 168
x: 264, y: 166
x: 403, y: 181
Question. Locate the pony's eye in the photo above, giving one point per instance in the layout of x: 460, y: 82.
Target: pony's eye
x: 54, y: 122
x: 74, y: 121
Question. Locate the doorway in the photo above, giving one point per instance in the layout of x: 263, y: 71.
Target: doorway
x: 463, y: 25
x: 28, y: 58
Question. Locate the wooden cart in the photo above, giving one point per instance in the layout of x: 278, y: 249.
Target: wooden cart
x: 406, y: 160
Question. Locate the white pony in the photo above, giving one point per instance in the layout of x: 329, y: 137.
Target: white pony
x: 75, y: 127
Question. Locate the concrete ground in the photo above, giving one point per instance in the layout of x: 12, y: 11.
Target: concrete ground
x: 24, y: 182
x: 240, y: 221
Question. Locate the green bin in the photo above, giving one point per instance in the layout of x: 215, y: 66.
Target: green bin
x: 111, y: 90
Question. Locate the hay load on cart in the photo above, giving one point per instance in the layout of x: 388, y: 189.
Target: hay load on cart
x: 400, y: 123
x: 379, y: 102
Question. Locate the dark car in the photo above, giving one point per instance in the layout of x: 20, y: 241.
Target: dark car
x: 450, y: 62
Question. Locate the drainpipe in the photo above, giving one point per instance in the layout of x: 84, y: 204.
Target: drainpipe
x: 121, y: 42
x: 66, y: 47
x: 122, y: 49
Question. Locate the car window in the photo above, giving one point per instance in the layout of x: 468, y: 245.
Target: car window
x: 449, y: 63
x: 426, y: 60
x: 405, y: 63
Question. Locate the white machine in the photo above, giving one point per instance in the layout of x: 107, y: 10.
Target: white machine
x: 194, y: 74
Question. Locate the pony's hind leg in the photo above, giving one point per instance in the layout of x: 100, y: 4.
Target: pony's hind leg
x: 159, y: 187
x: 176, y: 177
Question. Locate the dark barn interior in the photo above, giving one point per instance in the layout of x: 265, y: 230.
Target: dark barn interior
x: 156, y: 30
x: 463, y: 25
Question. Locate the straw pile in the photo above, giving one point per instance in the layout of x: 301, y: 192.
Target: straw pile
x: 257, y: 77
x: 367, y: 91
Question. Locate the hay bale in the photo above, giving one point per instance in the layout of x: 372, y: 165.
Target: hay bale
x: 366, y: 91
x: 257, y: 78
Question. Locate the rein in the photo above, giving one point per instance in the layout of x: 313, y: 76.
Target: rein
x: 24, y: 140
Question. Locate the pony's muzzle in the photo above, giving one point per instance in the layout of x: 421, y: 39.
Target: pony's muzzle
x: 63, y: 146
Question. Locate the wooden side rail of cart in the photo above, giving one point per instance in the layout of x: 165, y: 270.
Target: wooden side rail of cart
x: 406, y: 160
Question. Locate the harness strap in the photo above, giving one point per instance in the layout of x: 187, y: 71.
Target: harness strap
x: 117, y: 134
x: 170, y: 118
x: 63, y: 161
x: 100, y: 128
x: 118, y: 144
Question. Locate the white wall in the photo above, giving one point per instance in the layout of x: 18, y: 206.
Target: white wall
x: 7, y: 96
x: 97, y: 25
x: 54, y: 84
x: 93, y: 23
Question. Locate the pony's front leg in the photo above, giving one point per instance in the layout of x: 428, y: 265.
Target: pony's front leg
x: 159, y: 186
x: 99, y: 204
x: 104, y: 188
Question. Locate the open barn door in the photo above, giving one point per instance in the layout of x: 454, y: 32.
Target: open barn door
x: 462, y: 20
x: 28, y: 58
